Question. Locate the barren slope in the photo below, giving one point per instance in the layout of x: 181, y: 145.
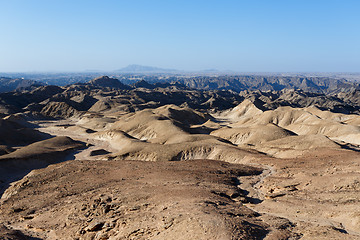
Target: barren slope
x: 135, y: 200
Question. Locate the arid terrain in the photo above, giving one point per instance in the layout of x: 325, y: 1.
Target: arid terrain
x: 105, y: 160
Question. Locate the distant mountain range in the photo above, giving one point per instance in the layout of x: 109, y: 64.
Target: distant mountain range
x: 134, y: 68
x: 236, y: 83
x: 70, y: 100
x: 270, y: 83
x: 9, y: 84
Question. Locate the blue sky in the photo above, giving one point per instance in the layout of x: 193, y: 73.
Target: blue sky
x: 242, y: 35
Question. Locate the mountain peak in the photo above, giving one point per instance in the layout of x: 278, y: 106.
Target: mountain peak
x: 135, y: 68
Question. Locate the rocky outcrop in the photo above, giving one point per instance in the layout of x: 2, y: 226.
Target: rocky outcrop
x: 107, y: 82
x: 59, y: 110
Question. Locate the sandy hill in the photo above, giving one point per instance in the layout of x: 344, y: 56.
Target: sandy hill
x: 162, y: 134
x: 308, y: 127
x: 184, y: 147
x: 300, y: 120
x: 163, y: 121
x: 245, y: 109
x: 252, y: 135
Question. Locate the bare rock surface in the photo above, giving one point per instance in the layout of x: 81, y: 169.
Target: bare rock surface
x: 17, y: 164
x: 319, y: 191
x: 135, y: 200
x: 11, y: 234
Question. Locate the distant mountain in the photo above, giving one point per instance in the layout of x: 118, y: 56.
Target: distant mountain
x: 270, y: 83
x: 9, y: 84
x: 134, y: 68
x: 211, y: 70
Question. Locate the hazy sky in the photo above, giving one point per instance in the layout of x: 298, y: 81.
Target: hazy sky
x: 240, y: 35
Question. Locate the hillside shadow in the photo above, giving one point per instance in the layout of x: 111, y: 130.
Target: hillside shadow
x: 12, y: 170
